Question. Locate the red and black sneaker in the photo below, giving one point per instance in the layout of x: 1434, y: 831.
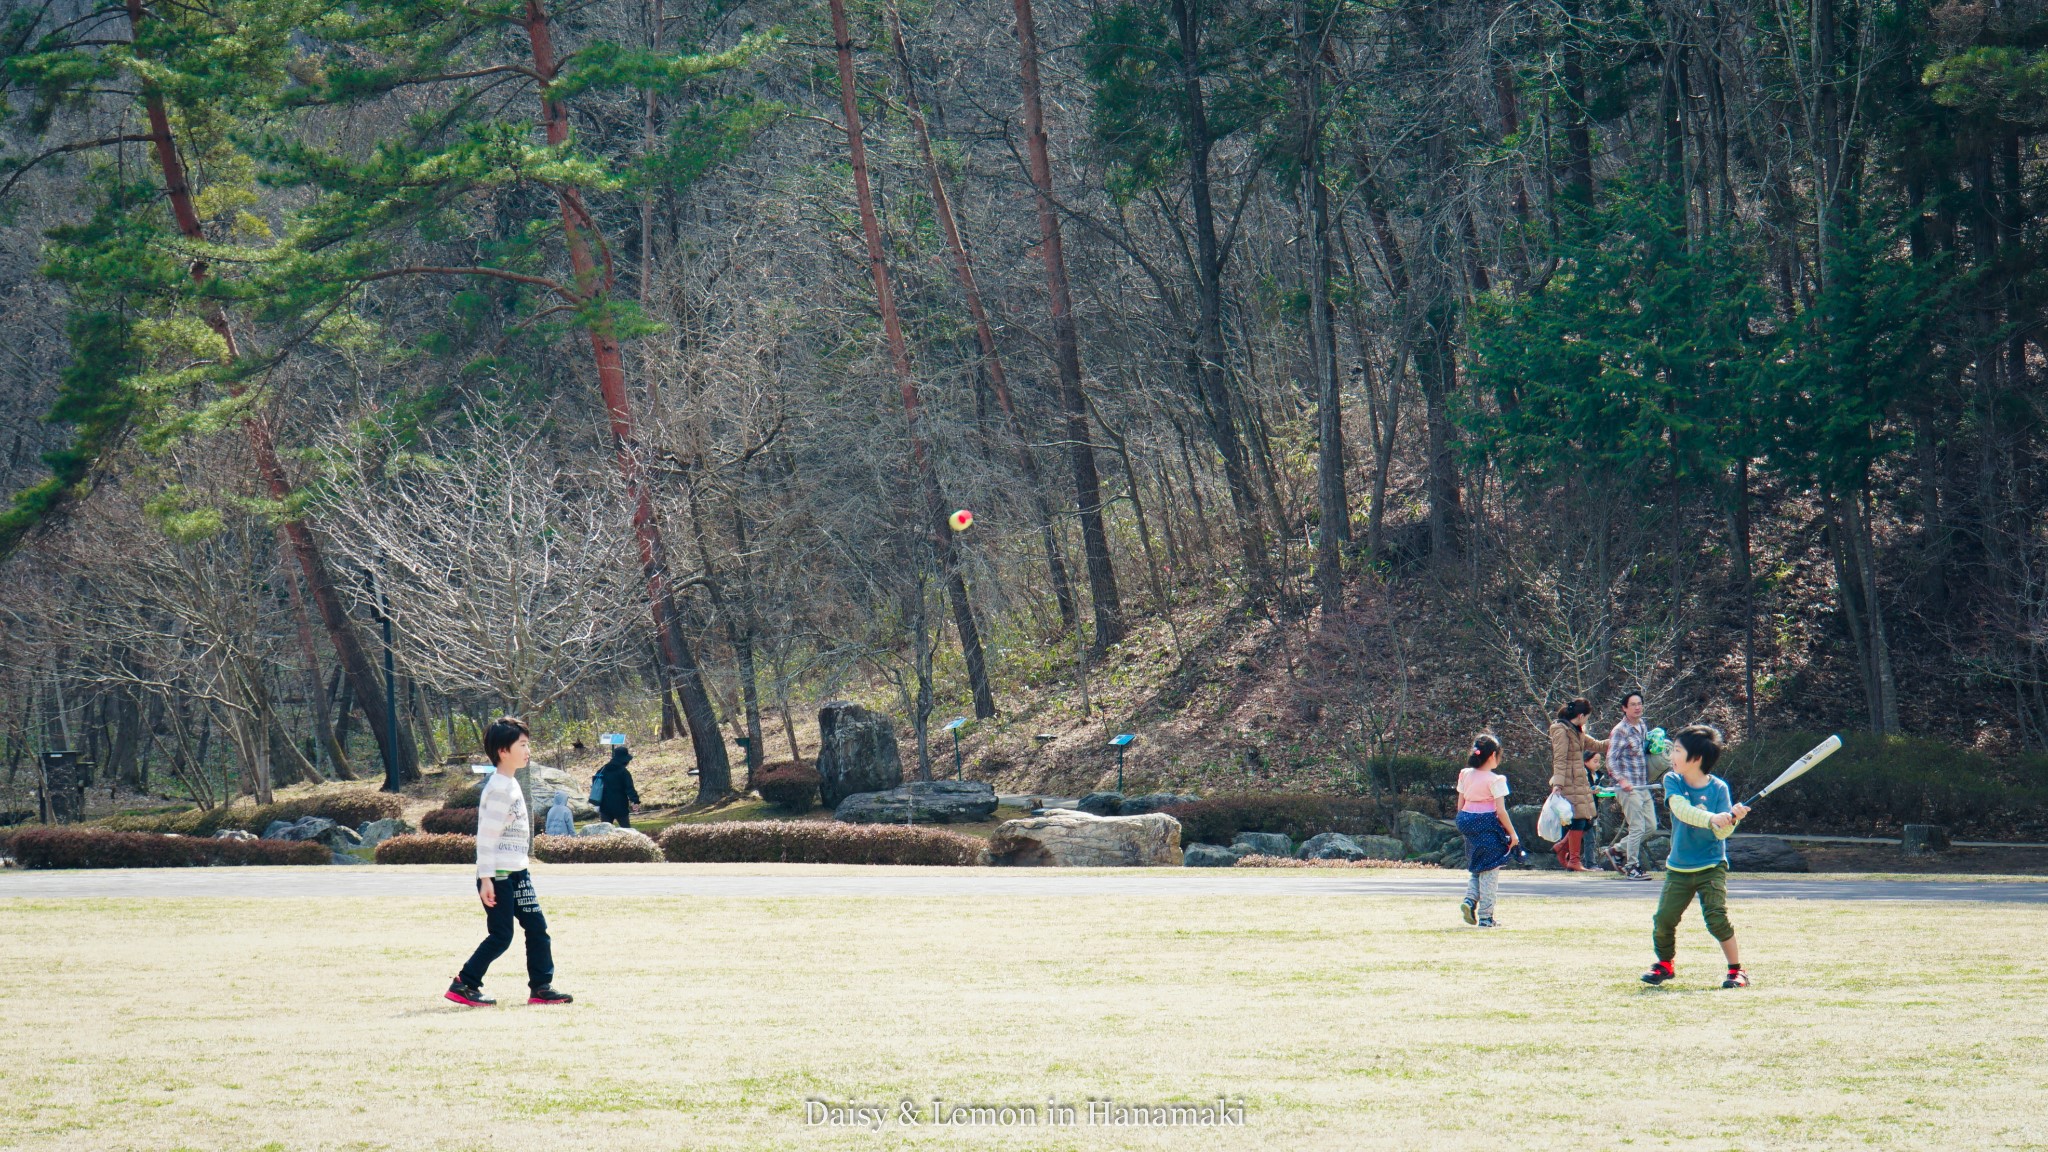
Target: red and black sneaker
x: 548, y: 995
x: 468, y: 995
x: 1659, y: 973
x: 1737, y: 978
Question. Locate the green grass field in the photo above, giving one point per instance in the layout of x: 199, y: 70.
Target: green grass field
x: 1338, y: 1022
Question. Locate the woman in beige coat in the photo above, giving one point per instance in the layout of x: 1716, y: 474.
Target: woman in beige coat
x: 1569, y: 778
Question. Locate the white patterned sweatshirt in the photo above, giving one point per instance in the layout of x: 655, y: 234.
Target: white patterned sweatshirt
x: 503, y: 828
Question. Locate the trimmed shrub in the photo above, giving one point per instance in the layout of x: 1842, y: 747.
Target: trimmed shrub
x: 1300, y: 815
x: 818, y: 842
x: 352, y: 808
x: 462, y: 821
x: 790, y: 786
x: 457, y: 820
x: 464, y: 796
x: 625, y: 847
x: 100, y: 848
x: 427, y: 848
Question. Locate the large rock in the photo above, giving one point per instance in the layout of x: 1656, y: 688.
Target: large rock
x: 235, y: 834
x: 1264, y: 843
x: 375, y: 832
x: 1210, y: 856
x: 856, y: 752
x: 1764, y: 854
x: 304, y: 828
x: 1151, y: 802
x: 1102, y: 804
x: 1330, y: 846
x: 1379, y: 847
x: 600, y: 828
x: 921, y: 802
x: 1425, y: 835
x: 1656, y: 849
x: 339, y: 837
x: 1921, y: 839
x: 1523, y: 817
x: 1078, y: 840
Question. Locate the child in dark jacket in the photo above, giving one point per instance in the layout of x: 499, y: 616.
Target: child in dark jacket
x: 616, y: 795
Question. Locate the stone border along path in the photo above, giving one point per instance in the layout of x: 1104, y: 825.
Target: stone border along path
x: 783, y: 882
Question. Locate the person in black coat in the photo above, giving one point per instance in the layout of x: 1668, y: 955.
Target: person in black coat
x: 617, y: 798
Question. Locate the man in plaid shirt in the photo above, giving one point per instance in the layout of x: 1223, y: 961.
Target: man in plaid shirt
x: 1629, y: 764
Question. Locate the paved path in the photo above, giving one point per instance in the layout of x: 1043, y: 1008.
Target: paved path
x: 769, y: 882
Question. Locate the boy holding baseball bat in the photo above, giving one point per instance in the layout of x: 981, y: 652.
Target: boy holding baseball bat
x: 1703, y: 816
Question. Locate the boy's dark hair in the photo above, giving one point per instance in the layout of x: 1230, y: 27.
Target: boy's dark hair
x: 1483, y: 745
x: 1700, y: 741
x: 1575, y: 709
x: 503, y: 733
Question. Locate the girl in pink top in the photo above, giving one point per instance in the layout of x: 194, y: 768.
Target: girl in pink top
x: 1490, y: 839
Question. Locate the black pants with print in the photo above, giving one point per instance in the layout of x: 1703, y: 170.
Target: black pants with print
x: 515, y: 900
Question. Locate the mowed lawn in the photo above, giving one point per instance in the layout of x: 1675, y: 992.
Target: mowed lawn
x: 1352, y: 1022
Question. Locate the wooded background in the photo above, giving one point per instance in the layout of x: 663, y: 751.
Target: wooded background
x: 628, y: 356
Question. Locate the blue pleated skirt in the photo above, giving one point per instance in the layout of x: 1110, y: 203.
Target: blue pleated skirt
x: 1486, y: 842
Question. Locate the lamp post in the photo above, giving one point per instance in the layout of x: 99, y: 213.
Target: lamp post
x: 954, y: 726
x: 1120, y: 742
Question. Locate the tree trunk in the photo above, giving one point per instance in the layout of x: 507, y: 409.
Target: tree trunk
x: 1109, y: 615
x: 1880, y: 646
x: 340, y: 628
x: 1739, y: 536
x: 744, y: 631
x: 714, y: 770
x: 1578, y: 135
x: 984, y: 334
x: 1333, y: 505
x: 316, y: 695
x: 899, y: 356
x: 647, y: 140
x: 1437, y: 373
x: 1219, y: 405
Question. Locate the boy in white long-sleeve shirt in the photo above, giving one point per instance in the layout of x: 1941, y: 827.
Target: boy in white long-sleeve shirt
x: 504, y: 828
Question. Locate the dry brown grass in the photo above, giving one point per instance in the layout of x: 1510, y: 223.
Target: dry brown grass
x: 1355, y: 1022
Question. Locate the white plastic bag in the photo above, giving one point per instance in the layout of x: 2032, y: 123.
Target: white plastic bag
x: 1555, y: 818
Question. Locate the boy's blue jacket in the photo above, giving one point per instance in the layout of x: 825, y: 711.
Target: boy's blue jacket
x: 1695, y: 843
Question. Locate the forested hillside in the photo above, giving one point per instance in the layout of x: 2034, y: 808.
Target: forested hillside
x: 1371, y: 372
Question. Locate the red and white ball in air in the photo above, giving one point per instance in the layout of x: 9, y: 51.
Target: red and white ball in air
x: 960, y: 521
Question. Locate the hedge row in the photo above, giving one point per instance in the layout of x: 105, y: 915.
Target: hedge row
x: 626, y: 847
x: 353, y: 807
x: 428, y: 848
x: 456, y: 848
x: 818, y: 842
x: 99, y: 848
x: 461, y: 821
x: 1300, y: 815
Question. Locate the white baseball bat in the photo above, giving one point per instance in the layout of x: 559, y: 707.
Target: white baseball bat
x: 1800, y: 767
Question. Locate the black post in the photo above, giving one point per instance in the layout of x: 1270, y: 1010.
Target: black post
x: 956, y: 754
